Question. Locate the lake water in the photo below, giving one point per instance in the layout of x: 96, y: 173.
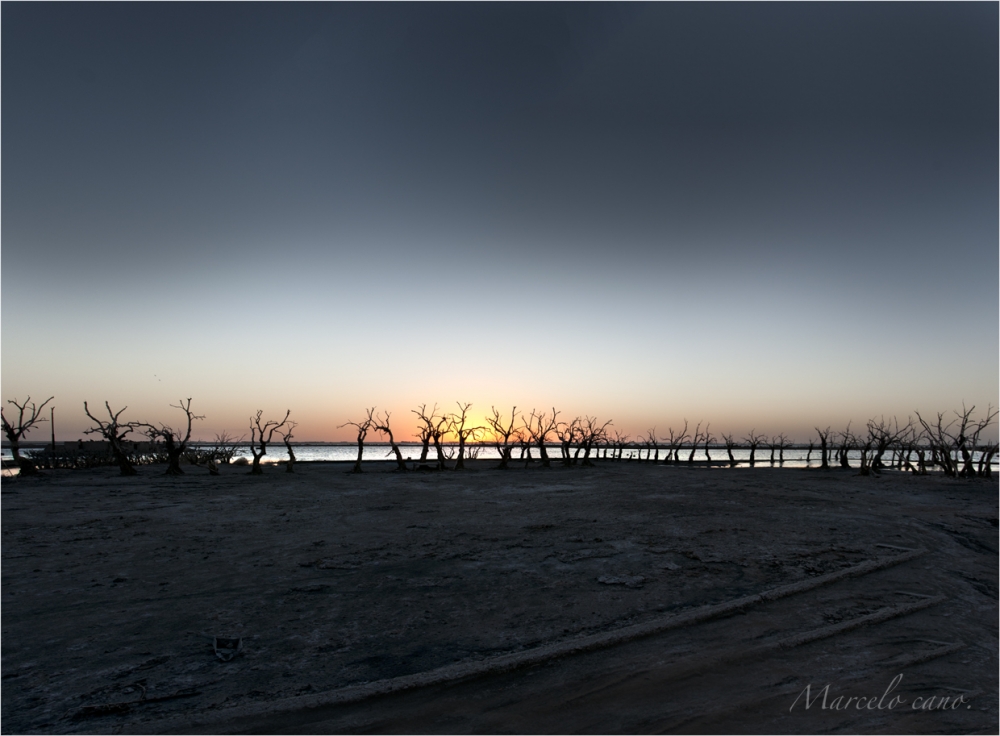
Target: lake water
x: 794, y: 458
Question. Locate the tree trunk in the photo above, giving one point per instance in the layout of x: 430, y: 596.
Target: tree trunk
x: 174, y: 451
x: 504, y: 451
x: 24, y: 465
x: 543, y: 455
x: 440, y: 453
x: 357, y: 463
x: 124, y: 464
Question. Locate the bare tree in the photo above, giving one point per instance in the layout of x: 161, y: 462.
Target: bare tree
x: 222, y: 450
x: 695, y: 441
x: 882, y: 435
x: 649, y: 442
x: 261, y: 436
x: 435, y: 427
x: 753, y: 441
x: 382, y: 425
x: 967, y: 439
x: 425, y: 430
x: 28, y: 415
x: 457, y: 426
x: 539, y: 426
x: 986, y: 459
x: 824, y: 439
x: 591, y: 433
x: 728, y: 439
x: 772, y: 445
x: 674, y: 442
x: 224, y: 447
x: 286, y: 437
x: 114, y: 432
x: 567, y: 432
x: 847, y: 443
x: 175, y: 443
x: 865, y: 446
x: 618, y: 444
x: 707, y: 439
x: 949, y: 442
x: 783, y: 444
x: 523, y: 440
x: 438, y: 433
x: 363, y: 426
x: 503, y: 431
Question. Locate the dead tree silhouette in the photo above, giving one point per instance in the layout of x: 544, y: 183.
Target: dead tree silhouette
x: 523, y: 440
x: 949, y: 443
x: 503, y: 431
x: 847, y: 443
x: 865, y: 446
x: 591, y: 433
x: 224, y: 447
x: 286, y: 437
x: 882, y: 435
x: 175, y: 444
x: 261, y: 436
x: 438, y: 433
x: 967, y: 439
x: 824, y: 439
x: 987, y: 451
x: 783, y: 444
x: 730, y: 444
x: 674, y: 442
x: 363, y: 426
x: 425, y: 431
x: 114, y: 433
x: 28, y: 415
x: 457, y: 426
x: 651, y: 443
x: 917, y: 445
x: 567, y: 432
x: 435, y: 427
x: 773, y: 446
x: 618, y: 444
x: 382, y: 425
x: 753, y: 441
x: 907, y: 445
x: 707, y: 439
x: 539, y: 427
x: 695, y: 441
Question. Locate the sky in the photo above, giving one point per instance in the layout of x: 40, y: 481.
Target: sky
x: 769, y: 216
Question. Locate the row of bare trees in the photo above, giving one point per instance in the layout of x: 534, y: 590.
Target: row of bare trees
x: 455, y: 437
x: 169, y: 444
x: 955, y: 445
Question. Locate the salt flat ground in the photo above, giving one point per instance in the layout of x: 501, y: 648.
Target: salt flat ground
x: 110, y: 586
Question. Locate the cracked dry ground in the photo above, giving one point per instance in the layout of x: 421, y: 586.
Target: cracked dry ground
x: 332, y: 579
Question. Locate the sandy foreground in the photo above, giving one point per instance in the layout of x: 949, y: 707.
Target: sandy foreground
x: 619, y: 598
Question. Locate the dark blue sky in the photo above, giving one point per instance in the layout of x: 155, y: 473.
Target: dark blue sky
x: 813, y: 184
